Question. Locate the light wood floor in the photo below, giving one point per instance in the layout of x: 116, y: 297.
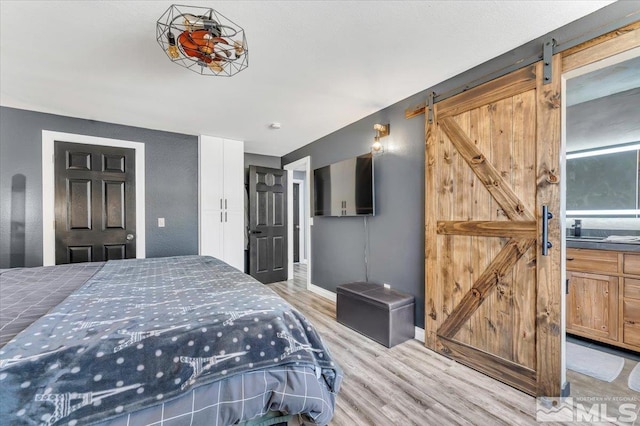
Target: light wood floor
x: 407, y: 384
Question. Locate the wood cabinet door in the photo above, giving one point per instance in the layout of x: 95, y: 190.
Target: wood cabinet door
x: 592, y: 305
x: 492, y: 162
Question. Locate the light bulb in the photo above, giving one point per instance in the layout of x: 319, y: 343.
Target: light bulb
x: 377, y: 146
x: 173, y: 52
x: 239, y: 48
x: 214, y: 66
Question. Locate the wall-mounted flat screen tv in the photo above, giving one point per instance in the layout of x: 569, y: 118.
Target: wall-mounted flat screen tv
x: 345, y: 188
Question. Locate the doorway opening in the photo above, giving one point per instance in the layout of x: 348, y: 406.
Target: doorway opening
x: 300, y: 221
x: 600, y: 205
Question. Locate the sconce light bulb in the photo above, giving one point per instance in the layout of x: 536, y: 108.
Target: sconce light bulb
x: 377, y: 146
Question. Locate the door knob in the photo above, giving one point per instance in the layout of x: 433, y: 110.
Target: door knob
x: 130, y: 237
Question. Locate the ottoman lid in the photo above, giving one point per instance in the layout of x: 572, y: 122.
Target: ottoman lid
x: 377, y: 294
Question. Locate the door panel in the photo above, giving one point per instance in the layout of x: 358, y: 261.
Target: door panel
x: 488, y: 170
x: 268, y: 252
x: 94, y: 203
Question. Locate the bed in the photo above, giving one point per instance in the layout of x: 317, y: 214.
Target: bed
x: 180, y: 340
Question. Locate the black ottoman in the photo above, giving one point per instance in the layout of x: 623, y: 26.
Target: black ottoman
x: 382, y: 314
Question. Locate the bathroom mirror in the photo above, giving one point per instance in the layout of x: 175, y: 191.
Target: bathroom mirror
x: 603, y: 147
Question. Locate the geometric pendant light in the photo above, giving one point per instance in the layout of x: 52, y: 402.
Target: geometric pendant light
x: 202, y: 40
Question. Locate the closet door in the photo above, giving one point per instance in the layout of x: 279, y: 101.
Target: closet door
x: 221, y: 181
x: 492, y: 162
x: 233, y: 225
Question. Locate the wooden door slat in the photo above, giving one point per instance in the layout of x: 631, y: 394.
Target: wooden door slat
x: 488, y: 175
x: 432, y: 293
x: 488, y: 228
x: 503, y: 87
x: 501, y: 264
x: 516, y: 375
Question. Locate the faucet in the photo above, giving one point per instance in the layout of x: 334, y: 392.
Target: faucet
x: 577, y: 228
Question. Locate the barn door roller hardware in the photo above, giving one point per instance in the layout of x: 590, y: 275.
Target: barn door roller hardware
x: 430, y: 106
x: 547, y: 56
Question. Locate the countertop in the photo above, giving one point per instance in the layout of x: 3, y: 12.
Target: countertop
x: 600, y: 244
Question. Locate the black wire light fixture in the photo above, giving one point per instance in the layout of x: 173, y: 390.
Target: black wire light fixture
x: 202, y: 40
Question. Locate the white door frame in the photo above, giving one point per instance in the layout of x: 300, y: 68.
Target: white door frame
x: 297, y: 165
x: 48, y: 188
x: 301, y: 215
x: 611, y: 60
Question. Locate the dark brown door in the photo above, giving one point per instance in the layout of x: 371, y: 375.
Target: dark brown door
x: 268, y: 255
x: 95, y: 203
x: 296, y: 222
x: 492, y: 295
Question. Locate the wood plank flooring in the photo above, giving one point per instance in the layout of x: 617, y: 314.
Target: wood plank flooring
x: 412, y: 385
x: 407, y: 384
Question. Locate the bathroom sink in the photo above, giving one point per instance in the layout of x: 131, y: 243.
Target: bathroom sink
x: 593, y: 239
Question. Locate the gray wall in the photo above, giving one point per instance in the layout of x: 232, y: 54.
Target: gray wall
x: 171, y: 179
x: 396, y: 233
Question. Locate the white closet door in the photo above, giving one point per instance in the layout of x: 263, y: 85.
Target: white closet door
x: 221, y: 180
x: 234, y: 175
x: 211, y: 165
x: 233, y: 244
x: 211, y: 233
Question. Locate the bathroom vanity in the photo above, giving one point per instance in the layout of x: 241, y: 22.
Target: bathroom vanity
x: 603, y: 298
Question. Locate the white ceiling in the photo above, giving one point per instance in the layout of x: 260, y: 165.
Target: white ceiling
x: 314, y: 66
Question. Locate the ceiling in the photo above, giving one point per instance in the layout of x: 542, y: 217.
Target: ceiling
x: 314, y: 66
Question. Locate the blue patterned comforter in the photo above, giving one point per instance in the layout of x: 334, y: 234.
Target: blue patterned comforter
x: 144, y: 331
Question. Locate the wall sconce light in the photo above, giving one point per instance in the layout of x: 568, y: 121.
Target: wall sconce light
x: 382, y: 130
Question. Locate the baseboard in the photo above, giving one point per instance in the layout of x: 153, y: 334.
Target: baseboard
x: 322, y: 292
x: 419, y: 334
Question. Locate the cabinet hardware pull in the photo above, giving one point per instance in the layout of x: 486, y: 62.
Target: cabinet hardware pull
x: 220, y: 203
x: 570, y: 259
x: 220, y: 216
x: 225, y: 203
x: 225, y: 216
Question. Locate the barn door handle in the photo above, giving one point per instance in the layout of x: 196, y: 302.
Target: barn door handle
x: 546, y: 244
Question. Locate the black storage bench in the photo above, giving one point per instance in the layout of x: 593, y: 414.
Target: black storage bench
x: 382, y: 314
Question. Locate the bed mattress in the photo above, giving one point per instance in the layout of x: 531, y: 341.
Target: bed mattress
x: 181, y: 340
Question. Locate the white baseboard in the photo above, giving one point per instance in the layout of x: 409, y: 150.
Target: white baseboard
x: 322, y: 292
x: 419, y: 334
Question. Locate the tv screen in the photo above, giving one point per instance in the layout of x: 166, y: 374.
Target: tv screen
x: 345, y: 188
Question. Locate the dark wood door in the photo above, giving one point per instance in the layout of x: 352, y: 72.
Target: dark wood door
x: 296, y: 222
x: 268, y: 251
x: 492, y: 163
x: 95, y: 203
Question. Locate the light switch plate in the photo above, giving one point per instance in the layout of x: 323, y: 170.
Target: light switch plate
x: 161, y: 222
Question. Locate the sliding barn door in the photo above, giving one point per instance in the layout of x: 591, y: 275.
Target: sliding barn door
x: 492, y: 299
